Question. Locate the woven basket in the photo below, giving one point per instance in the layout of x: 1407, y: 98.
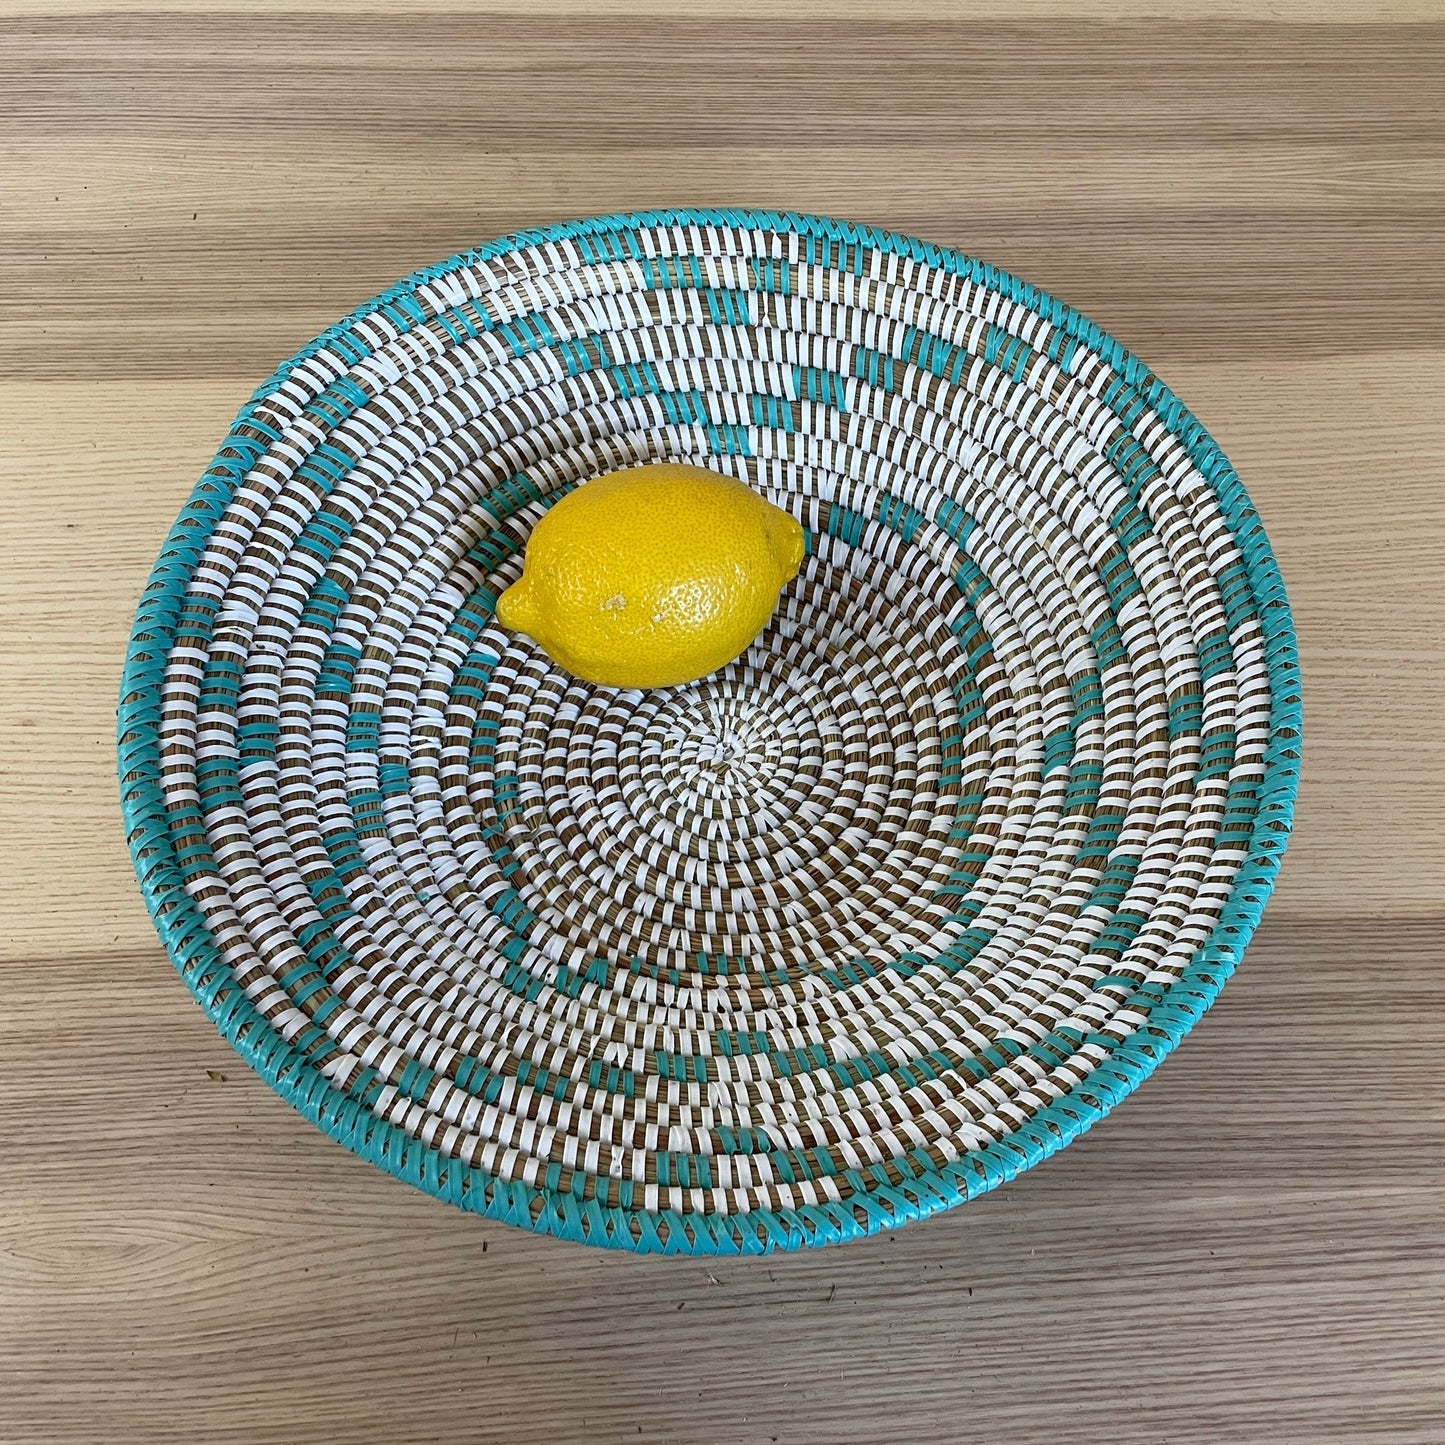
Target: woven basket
x: 856, y: 928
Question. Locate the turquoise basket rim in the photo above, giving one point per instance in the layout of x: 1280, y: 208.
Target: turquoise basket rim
x: 347, y: 1120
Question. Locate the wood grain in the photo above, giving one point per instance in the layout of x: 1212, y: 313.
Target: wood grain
x: 1253, y: 197
x: 1303, y: 165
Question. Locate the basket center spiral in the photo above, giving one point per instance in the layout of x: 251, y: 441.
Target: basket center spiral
x: 788, y: 815
x: 854, y: 927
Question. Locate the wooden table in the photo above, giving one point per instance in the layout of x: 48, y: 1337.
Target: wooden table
x: 1251, y: 197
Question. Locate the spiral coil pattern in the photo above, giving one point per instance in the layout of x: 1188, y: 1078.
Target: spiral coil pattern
x: 854, y: 928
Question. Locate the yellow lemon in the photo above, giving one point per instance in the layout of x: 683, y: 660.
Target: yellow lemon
x: 652, y: 576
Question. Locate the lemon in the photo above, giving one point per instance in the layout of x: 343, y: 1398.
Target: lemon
x: 652, y: 576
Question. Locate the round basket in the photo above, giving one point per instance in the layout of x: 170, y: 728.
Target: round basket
x: 852, y: 930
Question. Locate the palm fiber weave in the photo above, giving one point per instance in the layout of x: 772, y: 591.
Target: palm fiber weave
x: 854, y: 929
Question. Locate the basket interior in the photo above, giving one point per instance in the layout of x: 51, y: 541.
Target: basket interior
x: 851, y: 930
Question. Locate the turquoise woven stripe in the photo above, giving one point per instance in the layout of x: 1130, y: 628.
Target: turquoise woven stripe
x: 772, y: 411
x: 162, y: 848
x: 812, y: 383
x: 1058, y: 749
x: 338, y: 669
x: 323, y: 534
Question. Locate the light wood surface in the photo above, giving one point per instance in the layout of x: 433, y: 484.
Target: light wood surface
x: 1250, y: 195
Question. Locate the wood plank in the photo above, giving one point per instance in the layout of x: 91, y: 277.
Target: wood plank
x: 1248, y: 1247
x: 93, y: 477
x: 1327, y: 12
x: 1302, y: 174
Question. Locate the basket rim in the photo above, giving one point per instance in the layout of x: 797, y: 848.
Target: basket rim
x: 195, y: 956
